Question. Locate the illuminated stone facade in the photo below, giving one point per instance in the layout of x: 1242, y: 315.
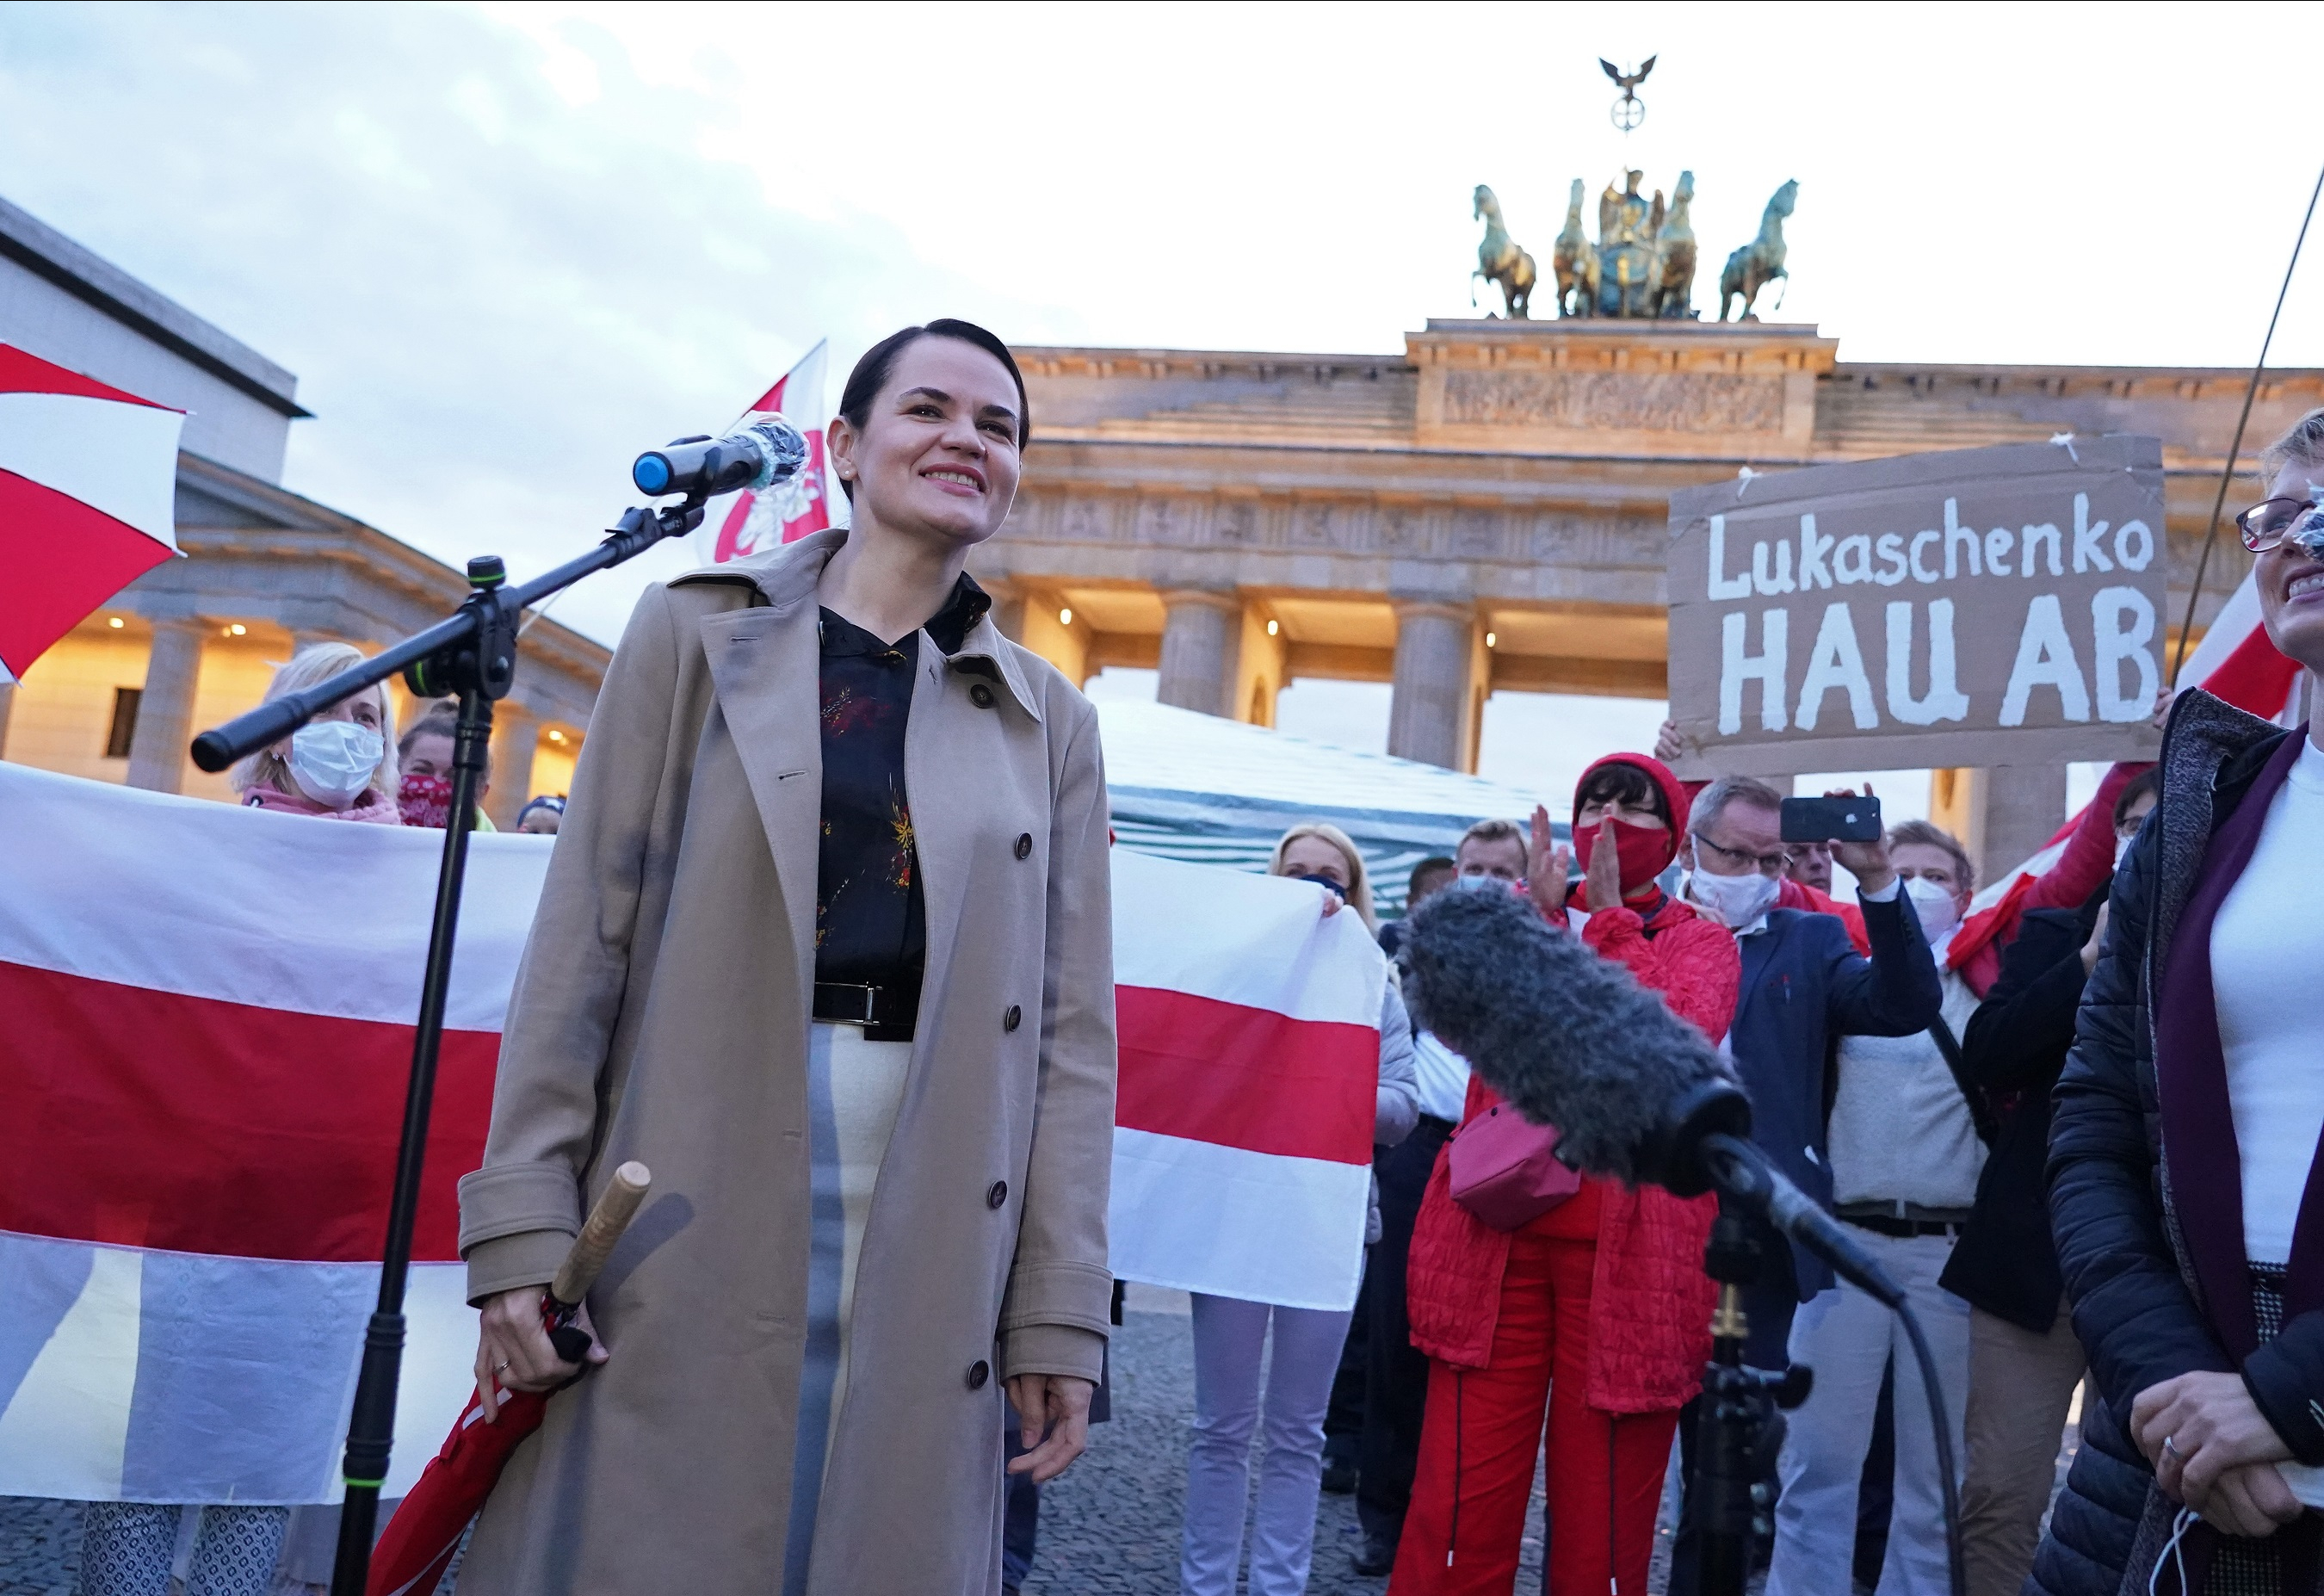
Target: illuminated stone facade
x: 1488, y: 510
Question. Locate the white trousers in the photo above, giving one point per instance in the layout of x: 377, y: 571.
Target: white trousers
x: 1848, y: 1339
x: 1228, y: 1337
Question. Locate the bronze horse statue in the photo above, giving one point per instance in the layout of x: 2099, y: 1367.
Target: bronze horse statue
x: 1674, y: 285
x: 1574, y: 261
x: 1500, y: 259
x: 1760, y: 261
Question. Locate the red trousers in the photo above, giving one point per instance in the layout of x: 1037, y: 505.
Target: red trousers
x: 1483, y: 1430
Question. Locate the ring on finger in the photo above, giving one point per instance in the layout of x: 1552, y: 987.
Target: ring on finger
x: 2169, y: 1444
x: 503, y: 1364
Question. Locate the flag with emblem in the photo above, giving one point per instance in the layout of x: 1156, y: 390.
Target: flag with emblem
x: 754, y: 523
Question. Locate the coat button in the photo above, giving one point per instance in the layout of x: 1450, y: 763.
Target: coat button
x: 1025, y: 846
x: 978, y: 1373
x: 981, y: 695
x: 1014, y: 1018
x: 998, y: 1195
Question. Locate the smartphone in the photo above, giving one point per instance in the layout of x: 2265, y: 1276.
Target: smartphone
x: 1830, y: 819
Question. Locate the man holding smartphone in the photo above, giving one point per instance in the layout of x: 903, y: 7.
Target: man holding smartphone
x: 1804, y: 984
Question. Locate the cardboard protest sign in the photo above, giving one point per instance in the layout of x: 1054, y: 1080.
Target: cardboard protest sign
x: 1991, y: 606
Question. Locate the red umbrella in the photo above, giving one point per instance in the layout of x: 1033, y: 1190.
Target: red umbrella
x: 419, y: 1542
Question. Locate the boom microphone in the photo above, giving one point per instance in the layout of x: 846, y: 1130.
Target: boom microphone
x: 1570, y: 1040
x: 764, y: 448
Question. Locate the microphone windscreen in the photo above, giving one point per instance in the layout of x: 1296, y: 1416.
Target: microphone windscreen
x: 1568, y: 1037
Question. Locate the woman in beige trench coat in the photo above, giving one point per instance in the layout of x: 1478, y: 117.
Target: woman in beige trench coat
x: 665, y: 1012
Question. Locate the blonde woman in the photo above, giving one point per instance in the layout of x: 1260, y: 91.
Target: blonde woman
x: 1230, y: 1333
x: 341, y: 764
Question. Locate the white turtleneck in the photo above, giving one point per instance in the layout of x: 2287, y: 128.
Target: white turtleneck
x: 2267, y: 947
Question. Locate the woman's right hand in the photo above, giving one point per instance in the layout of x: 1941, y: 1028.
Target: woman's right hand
x: 514, y: 1348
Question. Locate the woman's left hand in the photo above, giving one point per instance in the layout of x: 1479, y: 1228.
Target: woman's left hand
x: 1054, y: 1410
x: 2197, y: 1428
x: 1601, y: 886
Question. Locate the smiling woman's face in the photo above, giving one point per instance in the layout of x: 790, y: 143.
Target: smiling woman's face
x: 2291, y: 583
x: 938, y: 455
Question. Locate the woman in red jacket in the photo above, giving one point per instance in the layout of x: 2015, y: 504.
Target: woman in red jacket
x: 1599, y: 1310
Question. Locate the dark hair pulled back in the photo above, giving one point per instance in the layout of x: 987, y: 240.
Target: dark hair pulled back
x: 879, y: 363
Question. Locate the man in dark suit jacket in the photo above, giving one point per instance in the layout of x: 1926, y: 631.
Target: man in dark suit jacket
x: 1805, y: 985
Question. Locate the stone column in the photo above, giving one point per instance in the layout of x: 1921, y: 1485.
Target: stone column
x: 1200, y: 641
x: 165, y: 713
x: 7, y: 698
x: 2010, y: 813
x: 1428, y: 715
x: 516, y: 736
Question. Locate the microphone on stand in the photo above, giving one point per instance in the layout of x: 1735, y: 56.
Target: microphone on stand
x: 763, y: 449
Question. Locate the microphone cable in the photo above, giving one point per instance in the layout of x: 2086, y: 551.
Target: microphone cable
x: 1956, y: 1568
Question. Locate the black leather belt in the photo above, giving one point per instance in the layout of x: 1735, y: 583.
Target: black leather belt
x: 885, y: 1013
x: 1442, y: 1127
x: 1883, y: 1224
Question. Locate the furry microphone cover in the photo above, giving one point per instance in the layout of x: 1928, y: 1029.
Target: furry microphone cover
x: 1567, y: 1037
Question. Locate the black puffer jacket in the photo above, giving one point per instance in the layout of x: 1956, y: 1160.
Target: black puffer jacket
x: 2134, y: 1302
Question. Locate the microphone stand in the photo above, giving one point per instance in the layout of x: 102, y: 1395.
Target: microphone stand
x: 1737, y: 1429
x: 472, y: 654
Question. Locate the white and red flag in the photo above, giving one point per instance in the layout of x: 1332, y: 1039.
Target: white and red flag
x: 87, y: 496
x: 2236, y: 660
x: 757, y: 522
x: 207, y: 1028
x: 1242, y: 1142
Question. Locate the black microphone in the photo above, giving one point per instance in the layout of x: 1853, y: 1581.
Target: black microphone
x: 1570, y: 1039
x: 764, y: 448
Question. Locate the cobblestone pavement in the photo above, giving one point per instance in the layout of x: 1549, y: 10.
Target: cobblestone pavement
x: 1109, y: 1527
x: 40, y: 1547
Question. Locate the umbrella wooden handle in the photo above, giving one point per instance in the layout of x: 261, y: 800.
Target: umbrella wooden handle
x: 616, y: 1207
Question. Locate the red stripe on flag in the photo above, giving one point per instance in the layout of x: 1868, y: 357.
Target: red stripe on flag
x: 151, y: 1119
x: 63, y: 559
x: 23, y: 373
x: 2253, y: 677
x: 1243, y: 1077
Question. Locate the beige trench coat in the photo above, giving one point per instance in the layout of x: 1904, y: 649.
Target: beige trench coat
x: 661, y: 1014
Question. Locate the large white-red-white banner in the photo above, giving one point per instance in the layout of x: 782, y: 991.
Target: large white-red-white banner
x: 207, y: 1028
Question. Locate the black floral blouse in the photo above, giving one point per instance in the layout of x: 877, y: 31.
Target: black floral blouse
x: 870, y: 928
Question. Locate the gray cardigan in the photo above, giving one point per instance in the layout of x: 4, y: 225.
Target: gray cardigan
x: 1397, y: 1109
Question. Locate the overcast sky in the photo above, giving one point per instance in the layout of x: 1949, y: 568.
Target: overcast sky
x: 505, y: 248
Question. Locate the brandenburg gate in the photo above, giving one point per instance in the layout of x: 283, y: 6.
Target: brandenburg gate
x: 1487, y: 511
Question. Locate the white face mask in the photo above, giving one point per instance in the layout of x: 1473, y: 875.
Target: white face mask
x: 1939, y: 909
x: 2122, y: 848
x: 1735, y: 900
x: 333, y: 760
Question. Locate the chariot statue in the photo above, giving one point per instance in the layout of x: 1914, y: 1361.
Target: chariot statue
x: 1642, y: 265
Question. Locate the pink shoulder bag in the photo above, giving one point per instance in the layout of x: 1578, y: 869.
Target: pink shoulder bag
x: 1505, y: 1168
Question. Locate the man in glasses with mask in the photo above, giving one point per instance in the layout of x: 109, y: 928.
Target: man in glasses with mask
x: 1804, y: 985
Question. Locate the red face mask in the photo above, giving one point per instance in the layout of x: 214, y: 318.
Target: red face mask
x: 1643, y: 850
x: 424, y: 800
